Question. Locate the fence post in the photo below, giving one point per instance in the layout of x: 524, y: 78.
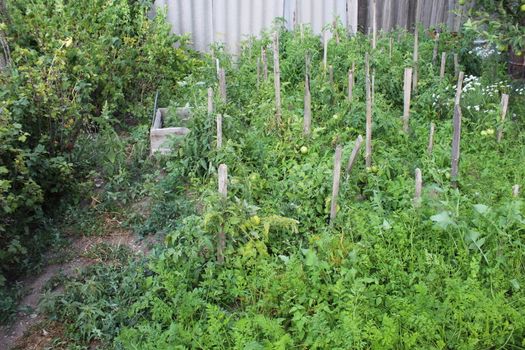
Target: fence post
x: 368, y: 143
x: 223, y: 192
x: 277, y: 78
x: 374, y: 24
x: 335, y: 185
x: 406, y: 98
x: 436, y: 48
x: 459, y: 88
x: 325, y: 51
x: 504, y: 107
x: 456, y: 65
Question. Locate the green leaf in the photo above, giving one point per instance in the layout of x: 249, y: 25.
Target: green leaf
x: 481, y: 208
x: 442, y: 220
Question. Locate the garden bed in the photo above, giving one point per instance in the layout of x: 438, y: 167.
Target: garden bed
x: 160, y: 136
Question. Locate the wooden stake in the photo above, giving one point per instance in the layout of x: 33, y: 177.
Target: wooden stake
x: 515, y: 190
x: 219, y: 131
x: 504, y: 107
x: 443, y: 65
x: 368, y: 143
x: 331, y: 75
x: 374, y: 24
x: 277, y: 78
x: 353, y: 156
x: 459, y: 88
x: 418, y: 188
x: 258, y: 70
x: 222, y: 84
x: 325, y: 51
x: 456, y: 65
x: 431, y: 138
x: 264, y: 63
x: 406, y: 99
x: 456, y: 140
x: 415, y: 58
x: 307, y: 106
x: 336, y: 179
x: 436, y: 47
x: 351, y: 82
x: 210, y: 101
x: 223, y: 192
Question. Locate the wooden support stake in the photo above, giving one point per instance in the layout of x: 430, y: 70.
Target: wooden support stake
x: 515, y: 190
x: 406, y: 98
x: 415, y: 57
x: 456, y: 65
x: 219, y: 131
x: 456, y: 140
x: 504, y: 108
x: 325, y: 51
x: 368, y: 142
x: 351, y: 82
x: 331, y: 75
x: 418, y: 188
x: 277, y: 78
x: 307, y: 106
x: 336, y: 179
x: 431, y: 138
x: 222, y: 84
x: 374, y: 24
x: 443, y: 65
x: 258, y: 70
x: 210, y: 101
x: 353, y: 156
x: 459, y: 88
x: 223, y: 192
x: 436, y: 48
x: 264, y: 63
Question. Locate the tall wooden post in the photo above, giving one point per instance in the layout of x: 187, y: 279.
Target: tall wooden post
x: 264, y: 59
x: 374, y: 24
x: 210, y: 101
x: 504, y: 107
x: 307, y: 106
x: 406, y: 98
x: 368, y: 142
x: 277, y: 78
x: 443, y: 65
x: 353, y: 156
x: 223, y: 192
x: 222, y: 84
x: 418, y: 188
x: 351, y: 81
x: 415, y: 58
x: 456, y: 140
x: 219, y: 131
x: 335, y: 184
x: 431, y: 138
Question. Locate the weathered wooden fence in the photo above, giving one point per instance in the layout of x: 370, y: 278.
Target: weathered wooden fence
x: 231, y: 21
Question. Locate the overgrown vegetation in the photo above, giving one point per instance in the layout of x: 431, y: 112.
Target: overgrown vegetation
x: 386, y: 275
x: 80, y: 71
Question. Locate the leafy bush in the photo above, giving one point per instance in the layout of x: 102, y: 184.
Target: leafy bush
x: 78, y: 69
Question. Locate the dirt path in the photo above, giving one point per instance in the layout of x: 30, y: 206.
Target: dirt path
x: 23, y: 332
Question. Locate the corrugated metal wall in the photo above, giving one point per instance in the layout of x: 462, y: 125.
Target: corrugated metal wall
x: 231, y: 21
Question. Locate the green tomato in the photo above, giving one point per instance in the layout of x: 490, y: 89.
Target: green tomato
x: 483, y: 132
x: 490, y: 131
x: 255, y: 220
x: 304, y: 150
x: 461, y: 2
x: 522, y: 8
x: 502, y: 47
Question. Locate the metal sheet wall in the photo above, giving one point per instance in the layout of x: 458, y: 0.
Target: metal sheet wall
x: 231, y: 21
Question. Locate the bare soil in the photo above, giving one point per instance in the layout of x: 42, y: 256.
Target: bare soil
x: 30, y: 329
